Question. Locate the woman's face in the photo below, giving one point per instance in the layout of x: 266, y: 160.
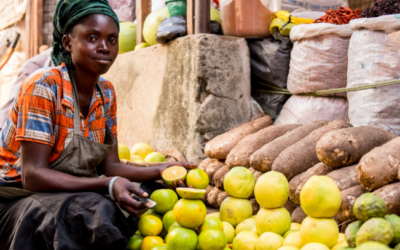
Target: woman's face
x: 93, y: 44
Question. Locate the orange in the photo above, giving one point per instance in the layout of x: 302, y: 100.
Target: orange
x: 150, y: 241
x: 197, y: 178
x: 190, y: 213
x: 150, y: 225
x: 165, y: 199
x: 174, y: 173
x: 123, y: 152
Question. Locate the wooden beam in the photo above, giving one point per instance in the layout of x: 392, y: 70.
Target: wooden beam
x: 202, y: 17
x: 190, y: 16
x: 34, y: 27
x: 143, y: 9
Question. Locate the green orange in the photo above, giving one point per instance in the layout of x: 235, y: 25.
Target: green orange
x: 182, y: 239
x: 150, y: 225
x: 197, y: 178
x: 135, y: 242
x: 168, y: 219
x: 165, y: 199
x: 190, y: 213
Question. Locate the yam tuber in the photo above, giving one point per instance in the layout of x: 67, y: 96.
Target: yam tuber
x: 301, y: 156
x: 391, y: 195
x: 380, y: 166
x: 219, y: 177
x: 221, y: 146
x: 345, y: 178
x: 240, y: 155
x: 345, y: 147
x: 349, y: 197
x: 263, y: 158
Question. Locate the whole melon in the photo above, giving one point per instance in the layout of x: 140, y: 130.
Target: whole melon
x: 373, y: 246
x: 394, y: 220
x: 150, y: 26
x: 239, y: 182
x: 375, y: 229
x: 269, y: 241
x: 351, y: 232
x: 246, y: 240
x: 127, y: 37
x: 369, y: 205
x: 234, y: 210
x: 278, y: 190
x: 275, y: 220
x: 315, y: 246
x: 245, y: 225
x: 319, y: 230
x: 320, y: 197
x: 190, y: 213
x: 229, y: 231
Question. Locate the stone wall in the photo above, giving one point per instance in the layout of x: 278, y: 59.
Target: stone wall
x: 183, y: 94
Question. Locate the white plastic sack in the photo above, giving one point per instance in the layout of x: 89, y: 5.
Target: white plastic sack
x: 315, y: 5
x: 306, y: 109
x: 308, y: 14
x: 319, y: 58
x: 374, y: 56
x: 388, y: 23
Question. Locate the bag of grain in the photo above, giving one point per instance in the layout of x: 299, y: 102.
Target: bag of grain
x: 319, y: 58
x: 374, y: 57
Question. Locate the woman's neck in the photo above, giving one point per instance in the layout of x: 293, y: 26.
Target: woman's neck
x: 85, y: 84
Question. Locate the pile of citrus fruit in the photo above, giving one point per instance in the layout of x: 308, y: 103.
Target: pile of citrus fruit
x: 140, y: 153
x: 374, y: 229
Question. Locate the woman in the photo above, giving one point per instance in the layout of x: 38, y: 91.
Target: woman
x: 62, y: 127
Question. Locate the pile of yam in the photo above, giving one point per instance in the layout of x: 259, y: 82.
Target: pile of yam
x: 357, y: 159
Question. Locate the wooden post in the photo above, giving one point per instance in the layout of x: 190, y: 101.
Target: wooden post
x: 202, y: 17
x: 143, y: 9
x: 34, y: 27
x: 190, y: 16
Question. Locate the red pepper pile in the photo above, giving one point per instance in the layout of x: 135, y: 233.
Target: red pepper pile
x: 339, y: 16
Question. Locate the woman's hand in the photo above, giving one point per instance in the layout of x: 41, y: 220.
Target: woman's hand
x: 122, y: 190
x: 180, y: 183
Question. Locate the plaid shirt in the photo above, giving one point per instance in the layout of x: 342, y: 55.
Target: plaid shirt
x: 43, y: 113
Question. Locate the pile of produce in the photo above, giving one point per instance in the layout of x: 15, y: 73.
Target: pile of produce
x: 140, y: 153
x: 383, y: 7
x: 374, y: 228
x: 340, y: 16
x: 356, y: 159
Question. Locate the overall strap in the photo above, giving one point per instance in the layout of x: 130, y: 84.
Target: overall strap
x: 77, y: 117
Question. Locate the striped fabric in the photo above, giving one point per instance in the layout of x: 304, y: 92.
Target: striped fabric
x: 43, y: 113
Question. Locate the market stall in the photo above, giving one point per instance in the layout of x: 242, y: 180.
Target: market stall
x: 317, y: 169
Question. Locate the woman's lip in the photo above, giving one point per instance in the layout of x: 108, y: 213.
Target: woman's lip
x: 102, y: 60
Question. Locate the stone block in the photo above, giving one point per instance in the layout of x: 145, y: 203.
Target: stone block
x: 183, y: 94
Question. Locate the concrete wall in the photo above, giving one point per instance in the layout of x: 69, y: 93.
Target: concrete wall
x: 182, y: 94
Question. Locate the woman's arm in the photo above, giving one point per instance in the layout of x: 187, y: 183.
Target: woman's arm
x: 37, y: 177
x: 112, y: 166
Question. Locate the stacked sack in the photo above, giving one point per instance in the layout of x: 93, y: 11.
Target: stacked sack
x: 374, y: 57
x: 318, y: 62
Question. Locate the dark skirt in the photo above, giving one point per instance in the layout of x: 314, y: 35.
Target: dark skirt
x: 62, y: 221
x: 66, y: 221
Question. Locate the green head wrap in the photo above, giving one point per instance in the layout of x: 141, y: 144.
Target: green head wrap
x: 67, y: 14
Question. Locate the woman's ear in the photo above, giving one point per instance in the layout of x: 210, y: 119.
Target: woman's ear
x: 66, y: 41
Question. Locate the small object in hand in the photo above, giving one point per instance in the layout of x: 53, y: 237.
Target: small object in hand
x: 146, y: 201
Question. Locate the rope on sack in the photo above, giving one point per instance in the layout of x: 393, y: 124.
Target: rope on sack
x: 282, y: 91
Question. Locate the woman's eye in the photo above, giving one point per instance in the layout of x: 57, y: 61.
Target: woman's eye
x: 113, y: 41
x: 92, y: 38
